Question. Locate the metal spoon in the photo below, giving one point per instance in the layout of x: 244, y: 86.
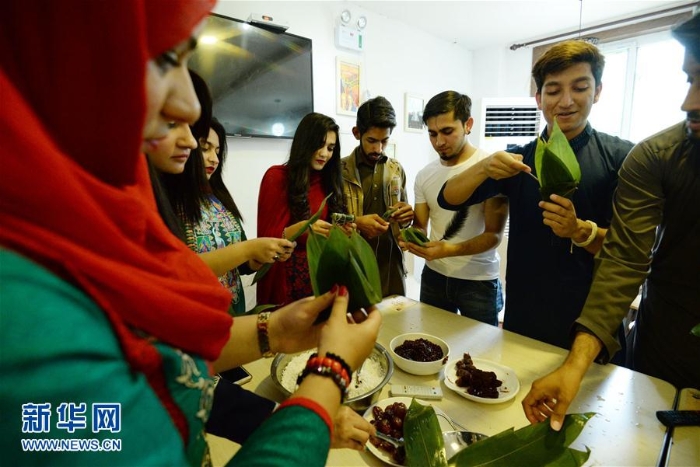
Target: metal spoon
x: 455, y: 426
x: 455, y: 441
x: 391, y: 440
x: 358, y: 373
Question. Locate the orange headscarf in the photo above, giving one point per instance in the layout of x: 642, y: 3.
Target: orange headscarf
x: 75, y: 195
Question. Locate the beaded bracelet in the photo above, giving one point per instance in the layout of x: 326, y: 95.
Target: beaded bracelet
x: 332, y: 361
x: 263, y: 338
x: 330, y: 367
x: 340, y: 360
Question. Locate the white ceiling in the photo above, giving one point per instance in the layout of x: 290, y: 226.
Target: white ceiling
x: 475, y: 24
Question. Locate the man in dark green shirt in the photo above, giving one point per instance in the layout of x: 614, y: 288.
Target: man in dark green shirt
x: 654, y: 239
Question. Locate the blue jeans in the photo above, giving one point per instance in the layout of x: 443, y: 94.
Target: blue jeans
x: 480, y: 300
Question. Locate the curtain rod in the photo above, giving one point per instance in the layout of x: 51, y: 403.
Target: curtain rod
x: 665, y: 12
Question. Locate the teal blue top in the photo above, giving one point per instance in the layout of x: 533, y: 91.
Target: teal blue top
x: 57, y: 346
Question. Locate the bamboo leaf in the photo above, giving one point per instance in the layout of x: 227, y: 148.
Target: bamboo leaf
x: 266, y: 267
x: 414, y: 235
x: 362, y: 293
x: 349, y: 261
x: 311, y: 220
x: 314, y: 247
x: 560, y: 146
x: 366, y: 258
x: 571, y: 457
x: 696, y: 330
x: 554, y: 171
x: 532, y: 445
x: 539, y: 152
x: 425, y: 446
x: 557, y: 168
x: 332, y: 266
x: 344, y: 260
x: 261, y: 272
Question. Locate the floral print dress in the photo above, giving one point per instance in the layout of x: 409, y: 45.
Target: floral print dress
x: 219, y: 228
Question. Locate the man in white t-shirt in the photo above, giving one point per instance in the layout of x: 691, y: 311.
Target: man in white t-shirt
x: 461, y: 272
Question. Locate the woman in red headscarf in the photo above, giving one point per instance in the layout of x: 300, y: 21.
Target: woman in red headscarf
x: 108, y: 322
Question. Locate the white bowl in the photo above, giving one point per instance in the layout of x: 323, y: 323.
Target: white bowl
x: 414, y: 367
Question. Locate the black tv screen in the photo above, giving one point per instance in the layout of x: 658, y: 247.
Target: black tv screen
x: 260, y: 79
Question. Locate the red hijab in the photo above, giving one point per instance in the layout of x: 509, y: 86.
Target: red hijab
x: 75, y: 195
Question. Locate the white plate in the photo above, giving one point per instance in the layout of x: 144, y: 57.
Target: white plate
x: 506, y: 392
x: 384, y: 403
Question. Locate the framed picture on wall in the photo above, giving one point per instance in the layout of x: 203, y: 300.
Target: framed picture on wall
x: 390, y: 150
x: 348, y: 80
x: 413, y: 113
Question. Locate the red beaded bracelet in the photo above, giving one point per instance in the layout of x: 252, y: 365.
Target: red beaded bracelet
x: 331, y: 367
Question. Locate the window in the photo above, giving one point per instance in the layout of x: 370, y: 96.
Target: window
x: 643, y: 87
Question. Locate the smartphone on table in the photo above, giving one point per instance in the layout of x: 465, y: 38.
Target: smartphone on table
x: 238, y: 375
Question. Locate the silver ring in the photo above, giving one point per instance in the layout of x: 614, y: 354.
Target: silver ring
x: 276, y: 257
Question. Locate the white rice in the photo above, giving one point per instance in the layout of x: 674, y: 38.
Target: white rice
x: 372, y: 374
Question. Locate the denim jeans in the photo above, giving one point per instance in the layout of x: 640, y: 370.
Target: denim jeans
x: 480, y: 300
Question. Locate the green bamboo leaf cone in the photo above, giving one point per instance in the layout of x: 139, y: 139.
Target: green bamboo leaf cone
x: 344, y: 260
x: 414, y: 235
x: 557, y: 168
x: 425, y: 446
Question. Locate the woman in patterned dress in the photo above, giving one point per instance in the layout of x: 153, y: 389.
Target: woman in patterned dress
x: 207, y: 218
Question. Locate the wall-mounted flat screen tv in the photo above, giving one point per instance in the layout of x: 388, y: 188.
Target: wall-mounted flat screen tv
x: 260, y: 80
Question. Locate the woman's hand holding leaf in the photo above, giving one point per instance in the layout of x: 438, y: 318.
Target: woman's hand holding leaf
x: 353, y: 342
x: 348, y: 228
x: 321, y: 227
x: 291, y: 327
x: 292, y: 233
x: 268, y: 249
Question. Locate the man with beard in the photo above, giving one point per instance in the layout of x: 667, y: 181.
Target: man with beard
x: 462, y: 267
x: 552, y: 242
x: 654, y: 238
x: 375, y: 185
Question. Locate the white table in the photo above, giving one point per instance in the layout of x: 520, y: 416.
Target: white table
x: 684, y: 448
x: 624, y: 433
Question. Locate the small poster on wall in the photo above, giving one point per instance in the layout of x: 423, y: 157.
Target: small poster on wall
x: 348, y: 74
x: 413, y: 114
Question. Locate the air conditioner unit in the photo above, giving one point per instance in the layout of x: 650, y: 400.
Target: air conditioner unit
x: 507, y: 122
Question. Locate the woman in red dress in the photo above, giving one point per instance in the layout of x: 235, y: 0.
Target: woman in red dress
x: 290, y: 194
